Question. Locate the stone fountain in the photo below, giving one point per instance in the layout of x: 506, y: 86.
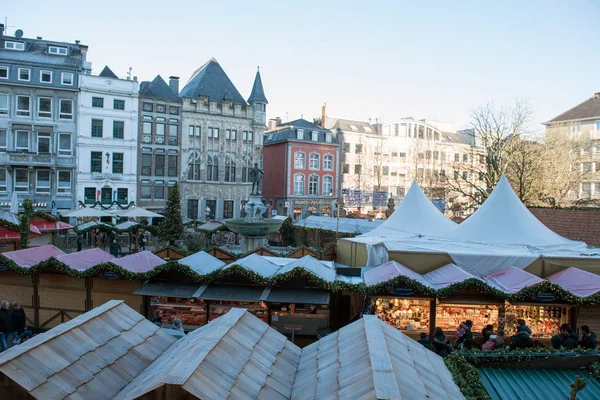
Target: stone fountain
x: 254, y: 228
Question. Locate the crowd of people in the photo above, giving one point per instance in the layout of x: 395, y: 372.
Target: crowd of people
x: 13, y: 325
x: 567, y: 339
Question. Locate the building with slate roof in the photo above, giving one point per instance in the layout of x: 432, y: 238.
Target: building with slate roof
x: 583, y: 121
x: 159, y: 141
x: 39, y: 83
x: 301, y: 169
x: 223, y: 139
x: 107, y: 143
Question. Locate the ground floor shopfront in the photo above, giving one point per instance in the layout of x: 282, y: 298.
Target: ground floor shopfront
x: 299, y: 208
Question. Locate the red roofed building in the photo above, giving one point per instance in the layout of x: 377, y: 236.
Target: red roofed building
x: 575, y: 224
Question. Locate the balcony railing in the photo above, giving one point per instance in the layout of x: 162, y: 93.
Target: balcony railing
x: 33, y: 159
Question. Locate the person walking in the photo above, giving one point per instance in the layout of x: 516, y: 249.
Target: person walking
x: 5, y: 324
x: 588, y: 338
x: 142, y: 241
x: 79, y: 241
x: 19, y: 322
x: 440, y: 343
x: 115, y: 249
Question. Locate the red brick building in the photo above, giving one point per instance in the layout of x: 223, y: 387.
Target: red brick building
x: 301, y: 164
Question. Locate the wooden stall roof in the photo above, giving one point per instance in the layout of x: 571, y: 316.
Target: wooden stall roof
x: 369, y: 359
x: 222, y: 254
x: 82, y: 260
x: 234, y: 356
x: 26, y: 258
x: 170, y: 253
x: 94, y: 355
x: 301, y: 252
x: 142, y: 261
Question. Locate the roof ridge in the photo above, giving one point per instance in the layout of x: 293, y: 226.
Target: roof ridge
x: 570, y: 109
x: 380, y: 359
x: 45, y: 337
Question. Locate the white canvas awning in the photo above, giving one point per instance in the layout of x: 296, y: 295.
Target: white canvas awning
x: 84, y: 212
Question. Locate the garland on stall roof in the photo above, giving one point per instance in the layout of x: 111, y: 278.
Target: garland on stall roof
x: 477, y: 356
x: 595, y: 370
x: 301, y: 273
x: 402, y: 281
x: 229, y: 270
x: 9, y: 225
x: 466, y: 378
x: 529, y: 293
x: 45, y: 215
x: 482, y: 286
x: 108, y: 207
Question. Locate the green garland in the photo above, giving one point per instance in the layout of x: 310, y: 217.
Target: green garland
x: 45, y: 215
x: 9, y: 225
x: 466, y: 378
x: 481, y: 286
x: 25, y: 225
x: 595, y: 370
x: 299, y: 273
x: 233, y: 270
x: 529, y: 293
x: 99, y: 204
x: 477, y: 356
x: 402, y: 281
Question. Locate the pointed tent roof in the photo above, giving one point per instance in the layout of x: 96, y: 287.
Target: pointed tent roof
x: 503, y: 219
x: 210, y: 80
x: 158, y: 89
x: 258, y: 93
x: 107, y: 73
x: 416, y: 215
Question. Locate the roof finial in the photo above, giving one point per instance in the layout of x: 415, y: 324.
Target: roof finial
x: 258, y: 68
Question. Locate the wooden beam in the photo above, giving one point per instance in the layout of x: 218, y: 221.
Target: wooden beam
x: 89, y: 284
x: 35, y: 281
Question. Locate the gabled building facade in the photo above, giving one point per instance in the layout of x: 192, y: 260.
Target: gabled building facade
x: 107, y: 139
x: 159, y: 142
x: 221, y: 141
x: 39, y: 83
x: 302, y: 173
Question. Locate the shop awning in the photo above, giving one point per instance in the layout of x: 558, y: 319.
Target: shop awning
x: 306, y: 296
x: 168, y: 289
x: 49, y: 226
x: 230, y: 293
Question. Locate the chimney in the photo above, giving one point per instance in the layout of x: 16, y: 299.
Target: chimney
x: 323, y: 115
x: 597, y: 95
x: 174, y: 84
x: 272, y: 124
x: 84, y: 50
x: 278, y: 121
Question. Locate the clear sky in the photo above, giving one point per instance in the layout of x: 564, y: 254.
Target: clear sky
x: 366, y: 59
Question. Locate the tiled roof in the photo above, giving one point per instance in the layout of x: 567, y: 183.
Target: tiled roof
x: 158, y: 89
x: 36, y: 53
x: 347, y: 125
x: 211, y: 81
x: 287, y: 131
x: 588, y: 109
x: 258, y: 93
x: 107, y: 73
x: 580, y: 224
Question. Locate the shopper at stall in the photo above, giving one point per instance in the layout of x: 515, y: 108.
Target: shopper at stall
x: 464, y: 336
x: 5, y: 324
x: 157, y: 317
x: 567, y: 338
x: 440, y: 343
x: 588, y: 339
x: 521, y: 339
x: 178, y: 325
x: 18, y: 321
x: 521, y: 323
x: 486, y: 332
x: 424, y: 340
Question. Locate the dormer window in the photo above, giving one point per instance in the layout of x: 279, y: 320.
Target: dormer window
x: 315, y: 136
x: 354, y: 128
x: 328, y: 137
x: 62, y: 51
x: 300, y: 134
x: 20, y: 46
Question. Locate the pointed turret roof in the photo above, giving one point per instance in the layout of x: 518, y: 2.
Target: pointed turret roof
x: 258, y: 93
x: 107, y: 73
x: 416, y: 215
x: 211, y: 81
x: 504, y: 219
x: 158, y: 89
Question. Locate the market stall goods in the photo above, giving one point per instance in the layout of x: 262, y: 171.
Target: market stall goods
x: 258, y: 309
x: 449, y: 316
x: 403, y: 314
x: 191, y: 312
x: 544, y: 321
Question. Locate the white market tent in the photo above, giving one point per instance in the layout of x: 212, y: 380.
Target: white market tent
x: 138, y: 212
x: 501, y: 233
x: 85, y: 212
x: 343, y: 225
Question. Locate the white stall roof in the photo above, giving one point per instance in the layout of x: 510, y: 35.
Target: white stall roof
x: 580, y: 283
x: 346, y: 225
x: 322, y: 269
x: 511, y: 279
x: 446, y: 276
x: 258, y: 264
x: 390, y: 270
x: 202, y: 262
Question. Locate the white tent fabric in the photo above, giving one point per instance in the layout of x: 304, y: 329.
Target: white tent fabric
x: 202, y: 262
x: 323, y: 269
x: 87, y: 212
x: 258, y: 264
x: 390, y: 270
x: 346, y: 225
x: 511, y: 279
x: 580, y: 283
x: 416, y: 215
x: 137, y: 212
x: 446, y: 276
x: 504, y: 219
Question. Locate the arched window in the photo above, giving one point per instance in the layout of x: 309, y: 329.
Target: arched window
x: 230, y: 168
x: 246, y: 168
x: 313, y: 185
x: 328, y: 162
x: 299, y: 185
x: 328, y: 185
x: 299, y: 160
x: 212, y: 169
x: 313, y: 161
x: 194, y: 166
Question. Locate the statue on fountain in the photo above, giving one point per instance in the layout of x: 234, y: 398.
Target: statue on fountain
x: 256, y: 176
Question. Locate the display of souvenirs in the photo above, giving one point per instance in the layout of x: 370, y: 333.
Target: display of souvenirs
x: 404, y: 314
x: 449, y: 316
x: 544, y: 321
x: 192, y: 312
x: 219, y: 308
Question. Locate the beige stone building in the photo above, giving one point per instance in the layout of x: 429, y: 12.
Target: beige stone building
x: 222, y: 139
x: 583, y: 122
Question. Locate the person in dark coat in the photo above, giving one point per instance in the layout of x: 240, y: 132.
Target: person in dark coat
x: 424, y: 340
x: 567, y: 338
x: 115, y: 249
x: 521, y: 323
x: 588, y: 338
x: 440, y: 343
x: 5, y: 324
x: 19, y: 321
x: 79, y: 241
x: 521, y: 339
x: 486, y: 332
x: 466, y: 339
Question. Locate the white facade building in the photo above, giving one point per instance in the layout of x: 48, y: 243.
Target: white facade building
x: 107, y: 139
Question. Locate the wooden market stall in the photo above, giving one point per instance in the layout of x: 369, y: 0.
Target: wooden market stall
x: 49, y: 227
x: 10, y: 238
